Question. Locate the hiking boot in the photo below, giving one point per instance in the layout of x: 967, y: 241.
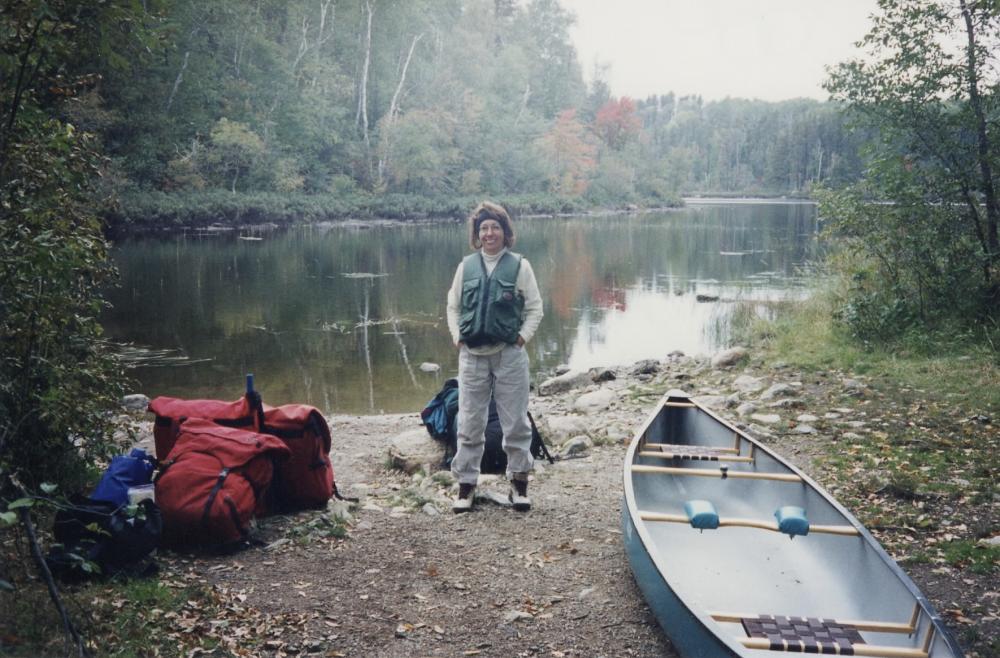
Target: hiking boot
x: 519, y: 492
x: 466, y: 494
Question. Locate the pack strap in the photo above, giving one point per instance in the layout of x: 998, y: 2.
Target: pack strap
x: 336, y: 494
x: 541, y: 441
x: 223, y: 474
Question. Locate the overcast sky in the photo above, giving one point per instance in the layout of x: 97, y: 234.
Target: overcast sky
x: 767, y: 49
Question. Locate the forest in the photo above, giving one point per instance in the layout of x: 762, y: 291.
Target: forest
x: 313, y: 109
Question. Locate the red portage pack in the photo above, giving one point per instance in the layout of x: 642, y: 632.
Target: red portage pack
x: 171, y: 411
x: 304, y: 480
x: 215, y: 480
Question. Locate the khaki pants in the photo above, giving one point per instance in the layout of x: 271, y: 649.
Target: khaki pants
x: 506, y: 375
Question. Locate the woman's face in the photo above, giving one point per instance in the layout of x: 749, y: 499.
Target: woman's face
x: 491, y: 235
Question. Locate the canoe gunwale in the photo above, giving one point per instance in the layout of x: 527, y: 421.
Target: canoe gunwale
x: 737, y: 645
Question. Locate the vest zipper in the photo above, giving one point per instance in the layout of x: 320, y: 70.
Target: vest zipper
x: 485, y: 289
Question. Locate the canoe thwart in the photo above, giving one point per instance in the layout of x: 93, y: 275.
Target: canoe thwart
x: 702, y: 515
x: 684, y: 447
x: 694, y: 453
x: 723, y: 472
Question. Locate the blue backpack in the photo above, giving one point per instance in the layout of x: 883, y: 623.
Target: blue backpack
x: 439, y: 413
x: 131, y: 470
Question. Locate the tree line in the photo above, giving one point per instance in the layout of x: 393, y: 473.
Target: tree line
x: 387, y: 105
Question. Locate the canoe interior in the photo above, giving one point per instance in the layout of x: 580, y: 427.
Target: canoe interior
x: 757, y: 571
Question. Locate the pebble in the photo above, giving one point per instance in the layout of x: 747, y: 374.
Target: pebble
x: 806, y: 418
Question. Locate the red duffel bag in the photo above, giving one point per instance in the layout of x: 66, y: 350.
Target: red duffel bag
x: 171, y: 411
x: 214, y: 481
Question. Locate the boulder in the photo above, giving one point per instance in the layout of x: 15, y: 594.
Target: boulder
x: 559, y: 428
x: 806, y: 418
x: 777, y: 391
x: 805, y: 429
x: 415, y: 449
x: 748, y: 384
x: 595, y: 401
x: 767, y: 419
x: 746, y: 409
x: 711, y: 401
x: 730, y: 357
x: 135, y: 402
x: 646, y: 367
x: 599, y: 375
x: 577, y: 445
x: 426, y: 366
x: 787, y: 403
x: 565, y: 382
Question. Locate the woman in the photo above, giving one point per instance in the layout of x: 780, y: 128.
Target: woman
x: 494, y: 308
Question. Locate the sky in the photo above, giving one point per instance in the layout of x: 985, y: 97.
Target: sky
x: 766, y: 49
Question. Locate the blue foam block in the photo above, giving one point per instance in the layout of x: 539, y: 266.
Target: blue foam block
x: 792, y: 520
x: 702, y: 514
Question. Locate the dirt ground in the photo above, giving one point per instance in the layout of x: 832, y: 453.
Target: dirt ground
x: 412, y: 579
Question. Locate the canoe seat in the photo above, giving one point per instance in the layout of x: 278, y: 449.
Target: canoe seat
x: 804, y: 635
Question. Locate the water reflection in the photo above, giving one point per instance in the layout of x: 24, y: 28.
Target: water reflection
x: 343, y: 317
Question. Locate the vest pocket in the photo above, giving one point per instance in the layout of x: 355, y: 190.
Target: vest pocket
x: 470, y: 307
x: 507, y: 307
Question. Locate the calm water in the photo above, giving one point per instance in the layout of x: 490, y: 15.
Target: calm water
x: 342, y: 317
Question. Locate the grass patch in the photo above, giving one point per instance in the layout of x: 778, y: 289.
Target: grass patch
x: 972, y: 555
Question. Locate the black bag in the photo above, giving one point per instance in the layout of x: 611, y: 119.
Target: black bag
x: 105, y: 534
x: 494, y: 458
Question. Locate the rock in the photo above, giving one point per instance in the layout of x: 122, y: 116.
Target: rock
x: 430, y: 509
x: 562, y: 369
x: 562, y: 427
x: 730, y: 357
x: 748, y: 384
x: 806, y: 418
x: 777, y: 391
x: 746, y: 409
x: 676, y: 354
x: 646, y: 367
x: 852, y: 385
x: 594, y: 401
x: 805, y: 429
x: 339, y: 509
x: 711, y: 401
x: 429, y: 367
x: 732, y: 401
x: 767, y: 419
x: 991, y: 541
x: 492, y: 496
x: 850, y: 435
x: 413, y: 450
x: 598, y: 375
x: 565, y: 382
x: 831, y: 415
x: 516, y: 615
x: 135, y: 402
x: 787, y: 403
x: 577, y: 445
x: 855, y: 424
x: 706, y: 298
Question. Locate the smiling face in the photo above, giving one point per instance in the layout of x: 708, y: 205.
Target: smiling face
x: 491, y: 236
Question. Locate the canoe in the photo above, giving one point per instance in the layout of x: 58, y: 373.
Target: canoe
x: 739, y: 553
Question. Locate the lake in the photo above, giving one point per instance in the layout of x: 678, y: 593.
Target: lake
x: 341, y: 316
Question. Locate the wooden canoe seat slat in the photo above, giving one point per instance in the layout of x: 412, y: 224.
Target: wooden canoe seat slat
x: 713, y: 473
x: 676, y: 446
x: 860, y: 624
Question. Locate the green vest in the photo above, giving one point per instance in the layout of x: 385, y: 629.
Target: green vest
x: 492, y: 307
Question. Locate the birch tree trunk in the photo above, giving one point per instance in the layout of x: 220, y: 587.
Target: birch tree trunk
x: 361, y: 119
x: 393, y: 110
x: 177, y: 82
